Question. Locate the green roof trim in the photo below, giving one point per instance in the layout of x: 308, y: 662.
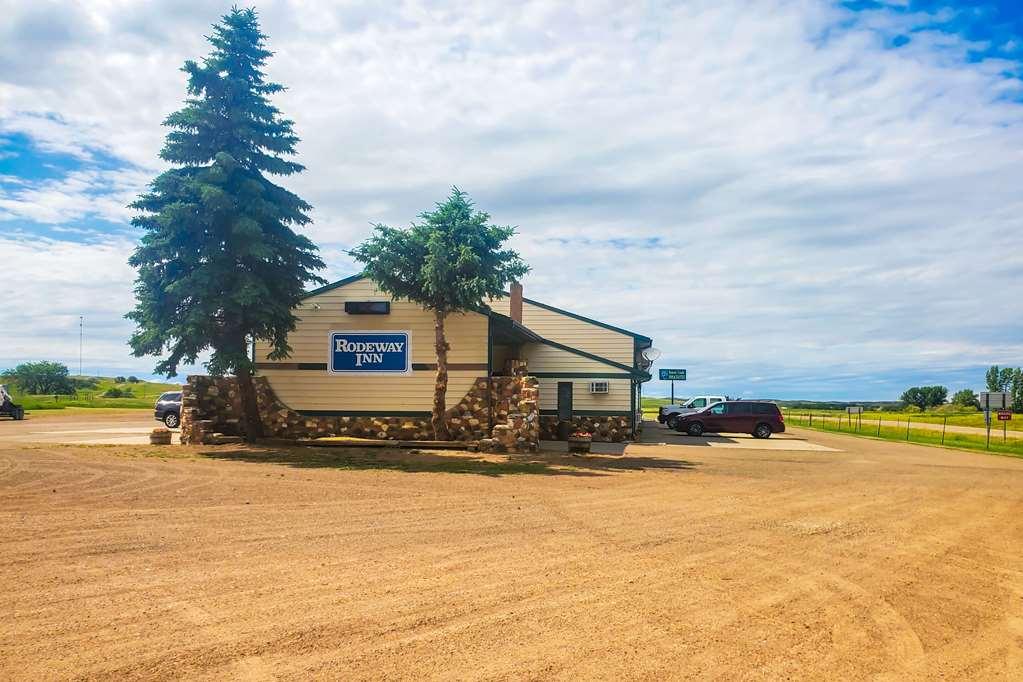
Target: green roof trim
x: 583, y: 318
x: 334, y: 285
x: 590, y: 356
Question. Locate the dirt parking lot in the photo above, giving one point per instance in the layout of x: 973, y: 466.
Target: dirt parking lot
x: 821, y: 557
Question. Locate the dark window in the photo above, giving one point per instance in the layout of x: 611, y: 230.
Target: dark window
x: 738, y: 409
x: 368, y: 307
x: 173, y: 397
x: 765, y: 408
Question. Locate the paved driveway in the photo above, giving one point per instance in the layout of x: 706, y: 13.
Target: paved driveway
x: 83, y: 427
x: 667, y: 441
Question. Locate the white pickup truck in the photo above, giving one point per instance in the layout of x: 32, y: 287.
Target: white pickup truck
x: 667, y: 414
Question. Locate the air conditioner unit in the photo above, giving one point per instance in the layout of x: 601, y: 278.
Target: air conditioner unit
x: 598, y: 387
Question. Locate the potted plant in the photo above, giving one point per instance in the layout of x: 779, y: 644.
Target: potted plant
x: 579, y: 442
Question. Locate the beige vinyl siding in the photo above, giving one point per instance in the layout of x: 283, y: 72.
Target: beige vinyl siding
x: 569, y: 331
x: 543, y: 358
x: 318, y: 390
x: 617, y: 399
x: 467, y: 334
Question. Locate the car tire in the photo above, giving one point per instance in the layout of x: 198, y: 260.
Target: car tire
x: 171, y: 420
x: 763, y: 431
x: 695, y: 429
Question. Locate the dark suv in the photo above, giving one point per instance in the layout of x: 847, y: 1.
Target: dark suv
x: 734, y: 416
x: 168, y: 409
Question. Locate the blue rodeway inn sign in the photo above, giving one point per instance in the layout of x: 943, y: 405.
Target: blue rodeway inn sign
x: 369, y: 353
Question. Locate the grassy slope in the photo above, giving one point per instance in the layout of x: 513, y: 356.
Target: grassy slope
x: 145, y: 394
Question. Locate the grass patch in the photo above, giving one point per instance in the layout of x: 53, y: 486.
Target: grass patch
x: 144, y: 395
x: 962, y: 441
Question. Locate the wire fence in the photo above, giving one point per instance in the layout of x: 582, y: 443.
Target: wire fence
x: 931, y: 429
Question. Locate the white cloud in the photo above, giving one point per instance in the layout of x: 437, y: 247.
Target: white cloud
x: 824, y: 205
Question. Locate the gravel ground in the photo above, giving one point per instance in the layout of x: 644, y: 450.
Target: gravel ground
x: 853, y: 559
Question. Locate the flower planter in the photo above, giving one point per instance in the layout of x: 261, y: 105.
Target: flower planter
x: 579, y: 444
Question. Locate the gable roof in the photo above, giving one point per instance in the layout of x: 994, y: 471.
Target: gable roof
x: 520, y: 330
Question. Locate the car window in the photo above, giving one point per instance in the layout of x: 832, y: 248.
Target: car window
x: 765, y: 408
x: 737, y: 409
x: 716, y: 400
x: 170, y: 396
x: 698, y: 402
x: 717, y: 409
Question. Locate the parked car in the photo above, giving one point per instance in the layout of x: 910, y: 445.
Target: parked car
x: 168, y: 409
x: 668, y: 414
x: 760, y: 419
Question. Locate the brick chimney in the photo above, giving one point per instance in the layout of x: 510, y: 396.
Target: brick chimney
x: 516, y: 302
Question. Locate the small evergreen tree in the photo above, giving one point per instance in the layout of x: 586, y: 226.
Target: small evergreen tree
x: 451, y: 262
x: 219, y: 265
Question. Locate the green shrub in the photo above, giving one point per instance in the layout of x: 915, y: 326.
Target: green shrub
x: 133, y: 379
x: 114, y: 392
x: 119, y: 380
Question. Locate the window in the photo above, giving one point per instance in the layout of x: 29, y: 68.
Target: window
x: 738, y: 409
x: 368, y: 307
x: 699, y: 402
x: 598, y: 387
x: 765, y: 408
x: 718, y: 409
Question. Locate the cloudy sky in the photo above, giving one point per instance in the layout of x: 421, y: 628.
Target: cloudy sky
x: 793, y: 198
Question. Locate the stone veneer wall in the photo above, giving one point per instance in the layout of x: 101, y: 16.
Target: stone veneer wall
x: 212, y: 405
x: 606, y: 429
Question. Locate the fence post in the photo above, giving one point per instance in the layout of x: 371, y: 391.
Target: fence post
x: 878, y: 426
x: 943, y: 427
x: 908, y: 419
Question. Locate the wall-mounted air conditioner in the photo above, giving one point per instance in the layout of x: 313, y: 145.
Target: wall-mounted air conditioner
x: 598, y: 387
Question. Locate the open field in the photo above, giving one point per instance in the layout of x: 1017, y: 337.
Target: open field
x: 144, y: 393
x: 965, y: 437
x: 968, y: 419
x: 810, y: 556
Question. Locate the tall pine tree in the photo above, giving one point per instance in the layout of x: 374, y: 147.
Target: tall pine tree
x: 220, y: 264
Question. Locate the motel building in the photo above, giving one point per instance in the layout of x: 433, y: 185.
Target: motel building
x: 364, y: 365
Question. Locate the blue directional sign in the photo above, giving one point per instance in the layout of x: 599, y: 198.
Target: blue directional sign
x: 671, y: 374
x: 369, y: 353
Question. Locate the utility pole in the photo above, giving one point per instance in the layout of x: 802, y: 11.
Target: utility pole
x: 81, y: 341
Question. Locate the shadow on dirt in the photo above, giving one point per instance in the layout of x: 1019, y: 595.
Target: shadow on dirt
x: 441, y: 461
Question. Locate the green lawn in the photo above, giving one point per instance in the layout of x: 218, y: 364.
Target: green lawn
x: 144, y: 393
x: 1012, y: 446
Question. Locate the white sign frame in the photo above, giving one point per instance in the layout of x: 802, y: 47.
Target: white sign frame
x: 378, y: 373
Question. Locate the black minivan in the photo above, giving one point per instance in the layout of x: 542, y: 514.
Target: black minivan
x: 168, y: 409
x: 734, y: 416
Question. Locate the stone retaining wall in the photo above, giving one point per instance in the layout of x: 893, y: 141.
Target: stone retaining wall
x: 500, y: 412
x: 606, y: 429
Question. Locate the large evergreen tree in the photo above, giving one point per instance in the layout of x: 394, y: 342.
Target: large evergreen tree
x: 451, y: 262
x: 220, y: 264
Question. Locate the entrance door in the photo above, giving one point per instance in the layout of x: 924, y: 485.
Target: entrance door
x: 564, y: 400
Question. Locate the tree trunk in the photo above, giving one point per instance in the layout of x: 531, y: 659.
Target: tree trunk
x: 252, y: 424
x: 440, y: 426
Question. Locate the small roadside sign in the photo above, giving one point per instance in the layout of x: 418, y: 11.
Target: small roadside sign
x: 672, y: 374
x: 995, y: 400
x: 854, y: 409
x: 1004, y: 416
